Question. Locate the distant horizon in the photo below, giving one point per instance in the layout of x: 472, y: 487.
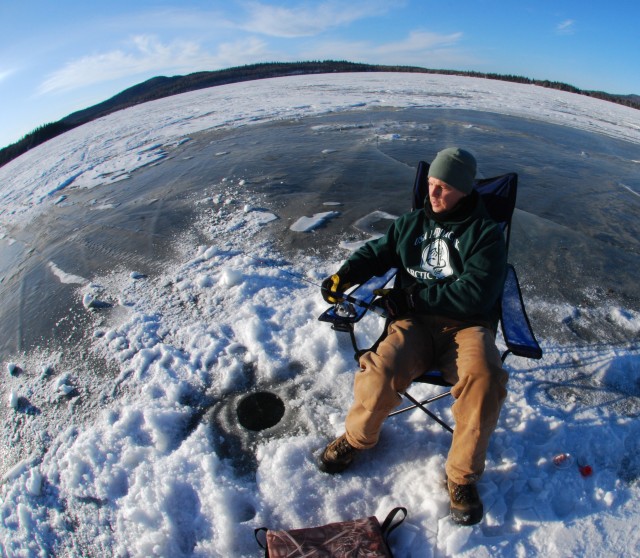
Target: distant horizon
x: 58, y: 58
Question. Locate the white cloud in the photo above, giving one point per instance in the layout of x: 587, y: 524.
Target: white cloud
x: 419, y: 41
x: 146, y: 54
x: 566, y: 27
x: 4, y: 74
x: 420, y: 47
x: 309, y: 19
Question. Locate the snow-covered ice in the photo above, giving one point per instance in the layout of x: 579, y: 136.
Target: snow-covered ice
x: 144, y: 457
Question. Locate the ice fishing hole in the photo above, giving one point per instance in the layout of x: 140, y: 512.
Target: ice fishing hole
x: 260, y: 410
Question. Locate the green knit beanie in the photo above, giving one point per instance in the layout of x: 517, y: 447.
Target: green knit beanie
x: 456, y: 167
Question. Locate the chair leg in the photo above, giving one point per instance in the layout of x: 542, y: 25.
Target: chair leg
x: 423, y: 402
x: 421, y: 406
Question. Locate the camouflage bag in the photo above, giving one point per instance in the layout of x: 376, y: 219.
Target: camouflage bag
x: 357, y: 538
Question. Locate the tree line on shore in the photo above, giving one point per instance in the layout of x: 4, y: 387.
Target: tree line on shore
x: 160, y: 87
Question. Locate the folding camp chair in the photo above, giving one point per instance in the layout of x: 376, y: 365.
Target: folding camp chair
x: 499, y: 196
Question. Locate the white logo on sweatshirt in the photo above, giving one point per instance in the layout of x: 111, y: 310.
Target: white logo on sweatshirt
x: 435, y: 259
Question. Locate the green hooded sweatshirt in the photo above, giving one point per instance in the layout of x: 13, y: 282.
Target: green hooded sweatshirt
x: 453, y: 263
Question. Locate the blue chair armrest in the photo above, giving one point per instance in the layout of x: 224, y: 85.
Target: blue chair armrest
x: 347, y: 313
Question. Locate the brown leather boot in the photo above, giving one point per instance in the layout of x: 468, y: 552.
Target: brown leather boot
x: 466, y: 506
x: 337, y: 456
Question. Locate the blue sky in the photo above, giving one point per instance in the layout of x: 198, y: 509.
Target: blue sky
x: 59, y: 56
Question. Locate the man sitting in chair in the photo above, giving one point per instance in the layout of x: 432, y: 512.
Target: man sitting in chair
x: 451, y: 260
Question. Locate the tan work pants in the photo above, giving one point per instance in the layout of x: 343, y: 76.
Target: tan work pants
x: 468, y: 359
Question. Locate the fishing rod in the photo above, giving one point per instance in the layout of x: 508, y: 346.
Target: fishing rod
x: 336, y: 294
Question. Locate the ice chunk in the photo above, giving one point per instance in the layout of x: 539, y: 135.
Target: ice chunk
x: 230, y: 277
x: 34, y: 483
x: 66, y: 278
x: 305, y: 224
x: 65, y: 389
x: 89, y: 301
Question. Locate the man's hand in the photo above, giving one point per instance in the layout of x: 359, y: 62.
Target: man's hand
x: 332, y: 285
x: 396, y: 302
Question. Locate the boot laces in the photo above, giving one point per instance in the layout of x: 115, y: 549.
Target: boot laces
x: 343, y: 448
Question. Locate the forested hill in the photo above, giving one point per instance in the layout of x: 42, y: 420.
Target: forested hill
x: 160, y: 87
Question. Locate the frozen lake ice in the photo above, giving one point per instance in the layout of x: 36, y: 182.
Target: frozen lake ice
x: 151, y: 276
x: 575, y: 221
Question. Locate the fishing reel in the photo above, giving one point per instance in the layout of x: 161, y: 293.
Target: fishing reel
x: 345, y: 309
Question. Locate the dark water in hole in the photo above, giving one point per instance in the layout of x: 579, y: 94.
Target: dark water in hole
x: 575, y: 239
x: 260, y: 410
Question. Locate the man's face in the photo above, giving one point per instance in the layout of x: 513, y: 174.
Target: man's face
x: 442, y: 196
